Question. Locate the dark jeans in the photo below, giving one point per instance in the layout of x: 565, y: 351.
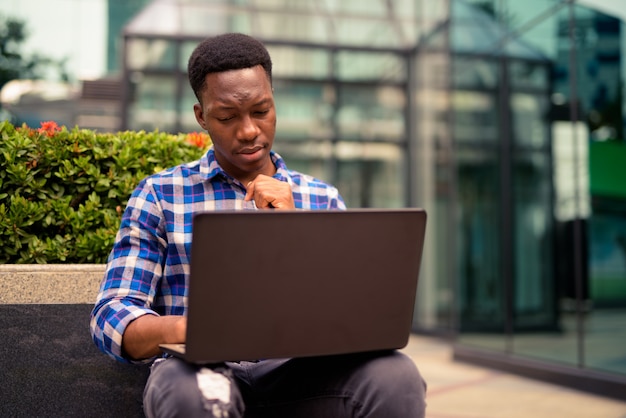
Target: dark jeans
x: 384, y: 385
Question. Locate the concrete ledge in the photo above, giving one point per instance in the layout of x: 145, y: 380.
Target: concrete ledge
x: 50, y: 283
x: 48, y: 363
x: 51, y: 368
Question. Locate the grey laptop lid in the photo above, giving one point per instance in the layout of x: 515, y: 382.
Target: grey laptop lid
x: 274, y: 284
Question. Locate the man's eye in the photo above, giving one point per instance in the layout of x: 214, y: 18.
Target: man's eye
x: 262, y: 112
x: 225, y: 119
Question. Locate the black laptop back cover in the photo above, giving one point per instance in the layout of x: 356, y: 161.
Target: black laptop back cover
x: 274, y: 284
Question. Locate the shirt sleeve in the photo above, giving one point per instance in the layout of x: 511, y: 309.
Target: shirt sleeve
x: 310, y: 193
x: 133, y: 272
x: 335, y: 199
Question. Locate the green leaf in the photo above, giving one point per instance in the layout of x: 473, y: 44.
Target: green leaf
x: 61, y: 197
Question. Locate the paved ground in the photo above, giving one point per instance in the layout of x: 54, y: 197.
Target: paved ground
x: 459, y: 390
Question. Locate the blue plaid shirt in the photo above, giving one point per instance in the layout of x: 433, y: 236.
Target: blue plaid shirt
x: 148, y: 268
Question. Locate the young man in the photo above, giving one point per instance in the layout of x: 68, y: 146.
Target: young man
x: 143, y: 298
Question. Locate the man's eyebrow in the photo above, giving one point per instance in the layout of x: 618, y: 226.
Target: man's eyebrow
x: 223, y: 107
x: 227, y: 106
x: 264, y: 101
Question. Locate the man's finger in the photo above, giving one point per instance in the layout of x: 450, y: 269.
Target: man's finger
x: 249, y: 191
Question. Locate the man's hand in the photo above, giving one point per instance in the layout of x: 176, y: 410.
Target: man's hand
x: 267, y: 192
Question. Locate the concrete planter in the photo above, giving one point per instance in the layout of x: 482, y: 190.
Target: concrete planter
x: 48, y: 363
x: 50, y: 283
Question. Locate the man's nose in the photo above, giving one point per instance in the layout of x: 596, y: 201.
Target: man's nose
x: 248, y: 129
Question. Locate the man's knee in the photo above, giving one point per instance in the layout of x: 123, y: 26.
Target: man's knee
x: 396, y: 372
x: 177, y: 389
x: 392, y: 386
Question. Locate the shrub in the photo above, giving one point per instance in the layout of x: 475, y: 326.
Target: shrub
x: 62, y: 192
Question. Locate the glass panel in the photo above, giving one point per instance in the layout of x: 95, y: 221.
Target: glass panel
x: 145, y: 54
x: 540, y: 35
x: 310, y: 157
x: 525, y: 75
x: 443, y: 230
x: 202, y: 20
x: 601, y: 88
x: 367, y: 32
x: 433, y: 174
x: 359, y: 7
x: 371, y: 175
x: 604, y: 52
x: 153, y: 106
x: 475, y: 73
x: 481, y: 29
x: 541, y: 330
x: 157, y: 18
x: 433, y: 70
x: 606, y: 326
x: 309, y: 28
x: 173, y: 18
x: 303, y: 110
x: 481, y: 287
x: 411, y: 30
x: 558, y: 345
x: 433, y: 11
x: 406, y: 8
x: 292, y: 5
x: 534, y: 287
x: 473, y: 31
x: 475, y: 117
x: 372, y: 23
x: 529, y: 119
x: 355, y: 66
x: 187, y: 117
x: 185, y: 52
x: 606, y: 298
x: 371, y: 113
x: 605, y: 336
x: 299, y: 62
x: 571, y: 171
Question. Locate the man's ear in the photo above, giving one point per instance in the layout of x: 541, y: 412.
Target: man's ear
x: 199, y: 113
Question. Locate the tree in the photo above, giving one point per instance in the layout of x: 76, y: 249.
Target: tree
x: 13, y: 63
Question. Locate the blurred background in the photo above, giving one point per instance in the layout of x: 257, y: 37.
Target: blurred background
x: 505, y: 119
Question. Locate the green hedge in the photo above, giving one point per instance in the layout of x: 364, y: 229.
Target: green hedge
x: 62, y: 192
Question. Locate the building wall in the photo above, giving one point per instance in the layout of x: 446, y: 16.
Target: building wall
x: 485, y: 119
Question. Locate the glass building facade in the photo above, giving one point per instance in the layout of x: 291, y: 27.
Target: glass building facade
x: 504, y: 119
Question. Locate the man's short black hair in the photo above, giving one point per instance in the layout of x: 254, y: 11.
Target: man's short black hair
x: 231, y: 51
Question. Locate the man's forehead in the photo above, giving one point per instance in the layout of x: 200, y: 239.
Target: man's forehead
x: 240, y: 82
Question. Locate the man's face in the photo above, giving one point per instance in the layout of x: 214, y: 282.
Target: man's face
x: 238, y: 112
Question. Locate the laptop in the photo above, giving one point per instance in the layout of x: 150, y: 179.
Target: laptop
x: 282, y: 284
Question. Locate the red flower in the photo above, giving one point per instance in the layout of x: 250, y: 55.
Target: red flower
x: 199, y: 139
x: 26, y: 130
x: 49, y: 128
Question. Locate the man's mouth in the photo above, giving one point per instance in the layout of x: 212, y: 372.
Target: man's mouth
x: 251, y: 150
